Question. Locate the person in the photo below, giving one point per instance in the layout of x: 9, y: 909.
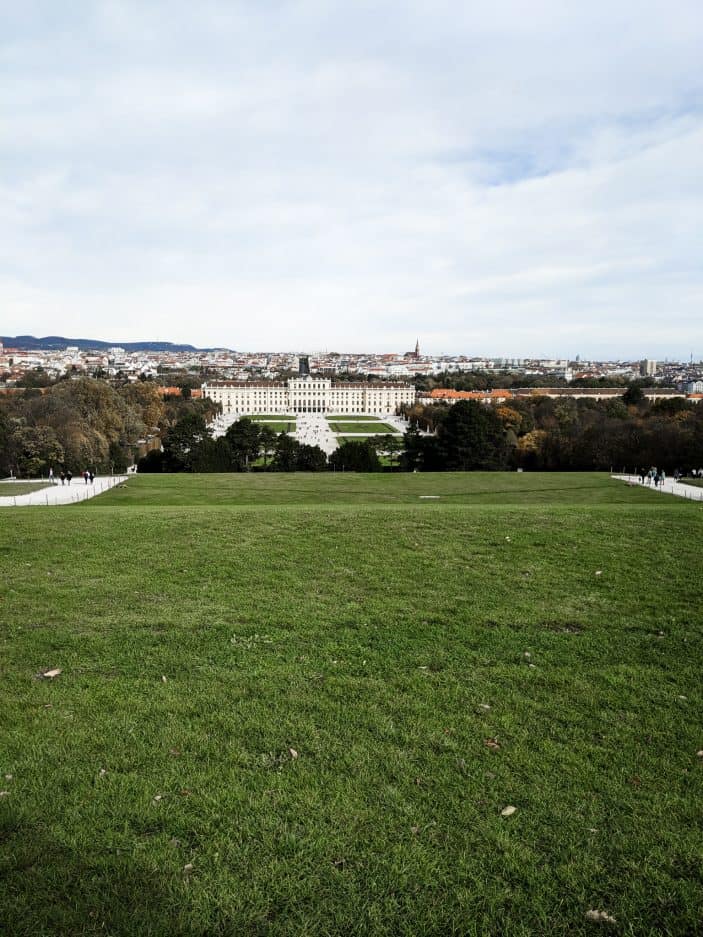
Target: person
x: 91, y: 476
x: 63, y: 477
x: 69, y: 476
x: 86, y: 476
x: 51, y: 475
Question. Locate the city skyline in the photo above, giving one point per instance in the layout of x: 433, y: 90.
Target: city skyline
x: 295, y: 176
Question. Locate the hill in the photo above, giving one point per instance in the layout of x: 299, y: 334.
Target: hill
x: 58, y: 343
x: 301, y: 704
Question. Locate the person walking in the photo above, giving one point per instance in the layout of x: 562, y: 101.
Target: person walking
x: 91, y: 476
x: 51, y: 475
x: 85, y: 476
x: 69, y: 476
x: 63, y: 477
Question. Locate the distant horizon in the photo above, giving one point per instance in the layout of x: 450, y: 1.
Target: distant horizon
x: 346, y: 351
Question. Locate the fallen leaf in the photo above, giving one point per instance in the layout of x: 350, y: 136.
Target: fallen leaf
x: 599, y: 572
x: 700, y: 753
x: 188, y: 867
x: 4, y: 793
x: 50, y: 674
x: 339, y: 863
x: 8, y: 777
x: 415, y: 830
x: 163, y: 678
x: 174, y: 751
x: 493, y: 744
x: 508, y: 811
x: 293, y: 753
x: 527, y: 654
x: 157, y: 798
x: 102, y: 772
x: 600, y: 917
x: 483, y: 706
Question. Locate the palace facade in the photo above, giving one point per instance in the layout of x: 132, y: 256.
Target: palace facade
x: 306, y: 394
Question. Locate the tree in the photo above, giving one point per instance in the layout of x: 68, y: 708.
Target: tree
x: 355, y: 456
x: 472, y: 437
x: 633, y: 396
x: 311, y: 459
x: 389, y: 444
x: 35, y: 449
x: 182, y: 442
x: 152, y: 462
x: 286, y: 455
x: 243, y: 438
x: 267, y: 441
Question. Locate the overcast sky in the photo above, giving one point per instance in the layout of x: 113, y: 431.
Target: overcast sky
x: 507, y: 177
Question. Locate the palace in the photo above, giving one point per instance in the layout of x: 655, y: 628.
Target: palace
x: 306, y: 394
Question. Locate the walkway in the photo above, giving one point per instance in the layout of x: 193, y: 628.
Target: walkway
x: 64, y: 494
x: 669, y: 487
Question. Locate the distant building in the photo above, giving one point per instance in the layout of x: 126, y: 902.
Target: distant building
x: 308, y: 395
x: 648, y: 367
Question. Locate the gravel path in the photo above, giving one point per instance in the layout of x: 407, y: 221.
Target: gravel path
x: 63, y: 494
x: 669, y: 487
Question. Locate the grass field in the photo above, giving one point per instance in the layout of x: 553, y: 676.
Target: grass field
x: 362, y: 426
x: 341, y: 439
x: 277, y: 693
x: 356, y: 417
x: 697, y: 482
x: 278, y: 426
x: 273, y: 416
x: 12, y: 489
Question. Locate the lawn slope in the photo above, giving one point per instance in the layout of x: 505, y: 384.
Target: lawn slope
x: 276, y: 694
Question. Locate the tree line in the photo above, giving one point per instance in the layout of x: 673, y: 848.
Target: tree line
x: 85, y: 423
x: 79, y: 423
x: 540, y: 433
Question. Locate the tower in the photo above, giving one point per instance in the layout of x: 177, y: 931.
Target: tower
x: 417, y: 348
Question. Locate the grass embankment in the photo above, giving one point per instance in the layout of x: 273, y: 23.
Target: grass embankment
x: 697, y: 482
x: 14, y: 489
x: 273, y: 709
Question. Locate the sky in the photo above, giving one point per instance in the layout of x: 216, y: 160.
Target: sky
x: 494, y: 177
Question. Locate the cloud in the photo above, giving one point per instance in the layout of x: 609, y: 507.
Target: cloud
x: 500, y: 178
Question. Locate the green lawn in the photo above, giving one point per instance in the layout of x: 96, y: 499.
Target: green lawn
x: 276, y: 693
x: 12, y: 489
x: 698, y: 482
x: 362, y: 426
x: 356, y: 417
x: 273, y: 416
x: 278, y: 426
x: 341, y: 439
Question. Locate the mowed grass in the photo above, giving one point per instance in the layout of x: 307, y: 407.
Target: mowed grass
x: 276, y: 693
x: 361, y: 426
x: 356, y: 417
x: 12, y: 489
x: 361, y: 438
x: 278, y: 426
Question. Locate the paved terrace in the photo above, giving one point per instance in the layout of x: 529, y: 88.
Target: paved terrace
x: 53, y: 495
